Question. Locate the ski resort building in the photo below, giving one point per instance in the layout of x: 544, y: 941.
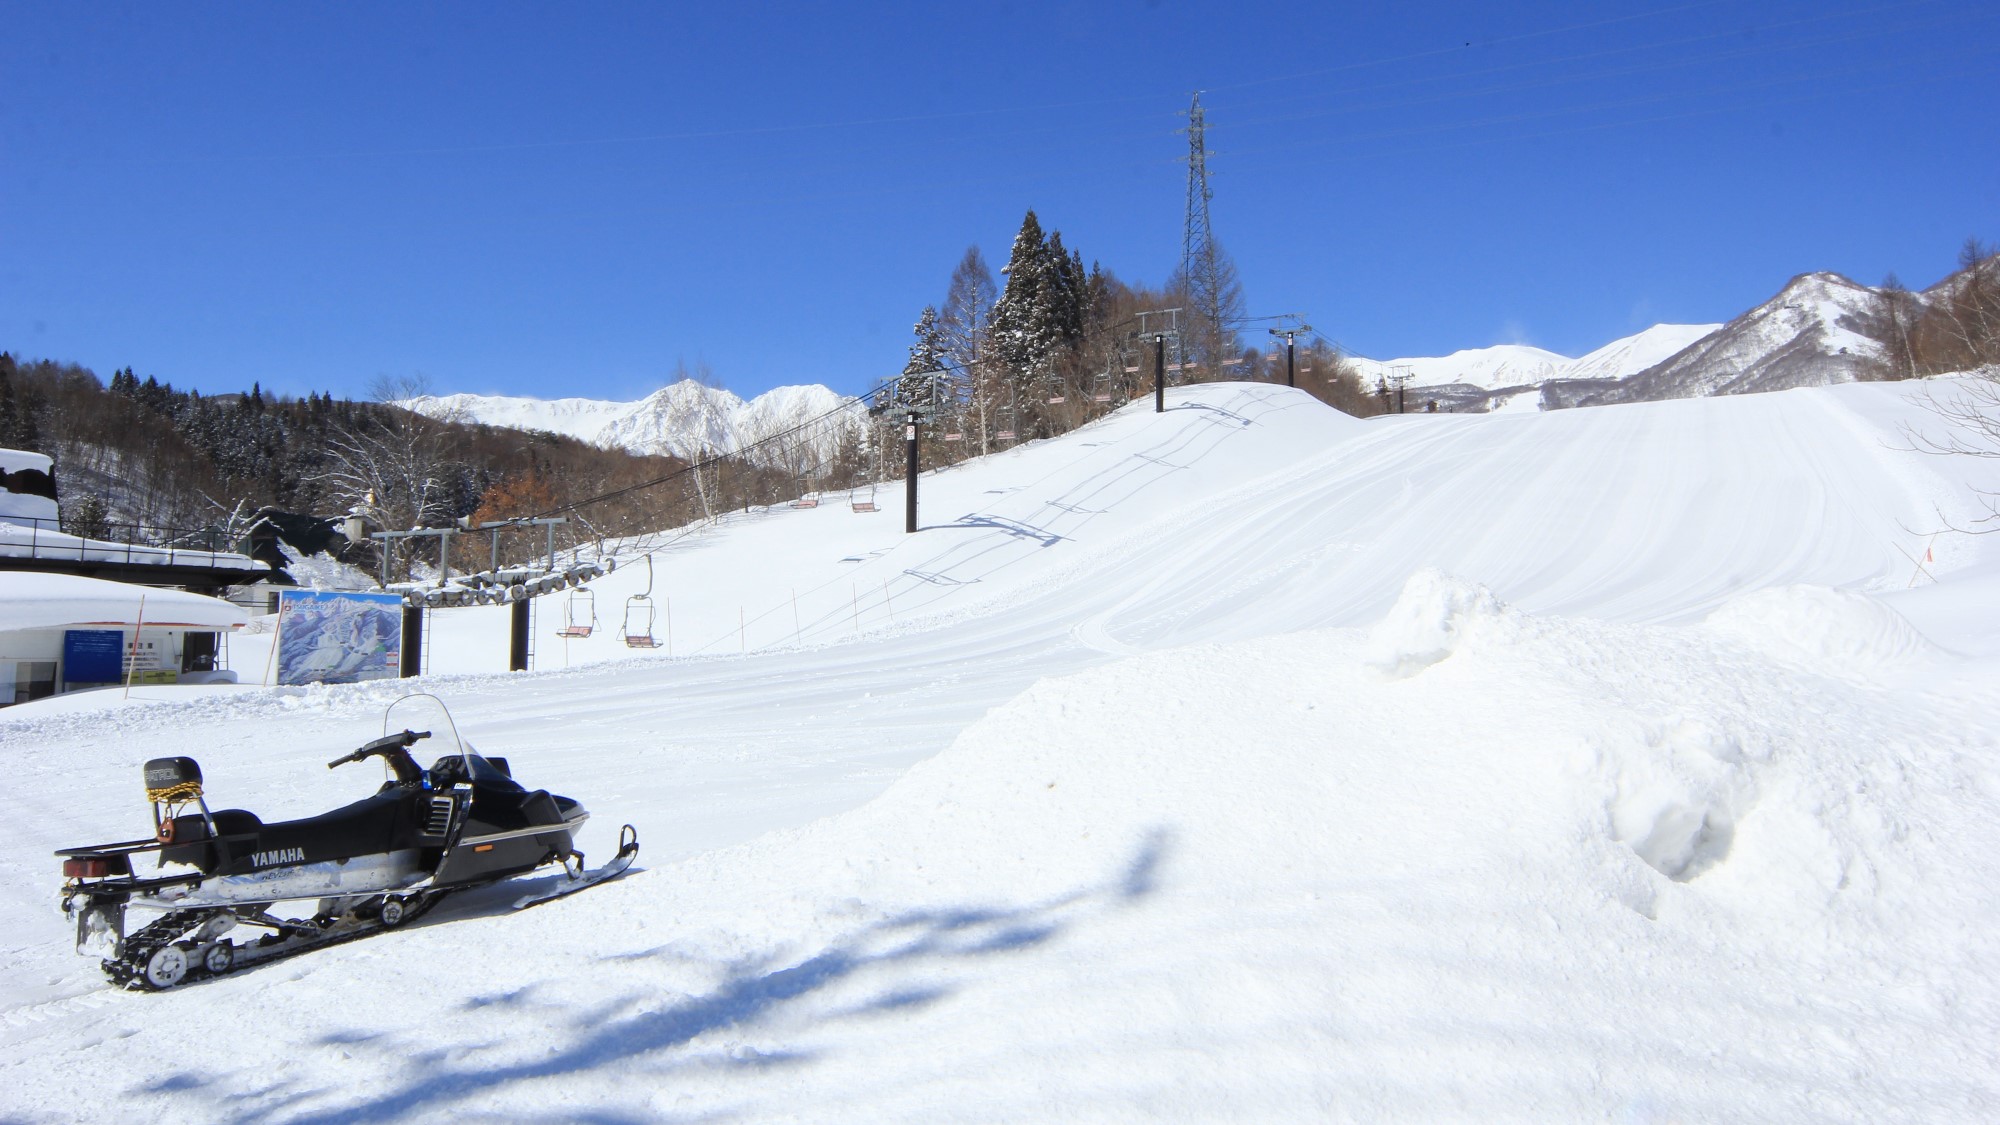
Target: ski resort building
x: 78, y: 611
x: 60, y: 632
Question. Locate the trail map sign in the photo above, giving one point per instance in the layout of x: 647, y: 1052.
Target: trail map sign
x: 332, y: 637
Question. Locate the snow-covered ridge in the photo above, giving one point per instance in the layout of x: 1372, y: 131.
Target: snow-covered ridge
x: 684, y: 419
x: 1519, y: 365
x: 1812, y: 333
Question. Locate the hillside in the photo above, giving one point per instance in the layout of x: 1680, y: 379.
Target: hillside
x: 1814, y: 332
x: 1234, y: 763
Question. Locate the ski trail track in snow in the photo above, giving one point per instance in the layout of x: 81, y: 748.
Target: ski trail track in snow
x: 1245, y: 511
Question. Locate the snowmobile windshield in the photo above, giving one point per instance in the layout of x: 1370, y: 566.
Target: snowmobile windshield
x: 425, y: 712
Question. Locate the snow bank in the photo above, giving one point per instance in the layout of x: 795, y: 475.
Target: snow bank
x: 1840, y: 632
x: 1543, y: 868
x: 1549, y: 869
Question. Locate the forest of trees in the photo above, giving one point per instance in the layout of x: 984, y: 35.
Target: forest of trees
x: 1953, y: 326
x: 142, y: 459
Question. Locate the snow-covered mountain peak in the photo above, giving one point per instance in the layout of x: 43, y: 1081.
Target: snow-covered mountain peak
x: 1521, y: 365
x: 1491, y: 368
x: 1813, y: 332
x: 1824, y: 302
x: 684, y: 419
x: 1621, y: 359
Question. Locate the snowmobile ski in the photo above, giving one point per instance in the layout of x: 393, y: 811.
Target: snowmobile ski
x: 369, y: 866
x: 628, y: 848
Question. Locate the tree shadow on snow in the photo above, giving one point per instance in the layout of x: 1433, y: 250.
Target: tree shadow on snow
x: 629, y: 1030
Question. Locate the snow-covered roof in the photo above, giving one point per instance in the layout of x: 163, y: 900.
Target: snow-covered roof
x: 38, y: 539
x: 55, y: 601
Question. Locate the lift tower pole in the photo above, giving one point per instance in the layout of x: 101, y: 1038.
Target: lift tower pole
x: 910, y: 472
x: 1159, y: 332
x: 1290, y: 333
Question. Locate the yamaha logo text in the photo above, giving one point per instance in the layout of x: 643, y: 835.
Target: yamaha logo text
x: 281, y: 855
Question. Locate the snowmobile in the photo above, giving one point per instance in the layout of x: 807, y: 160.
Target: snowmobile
x: 370, y: 866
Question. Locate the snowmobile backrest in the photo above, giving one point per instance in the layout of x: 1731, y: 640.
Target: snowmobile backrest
x: 172, y: 779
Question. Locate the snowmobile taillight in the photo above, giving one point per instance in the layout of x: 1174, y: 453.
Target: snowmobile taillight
x: 94, y: 867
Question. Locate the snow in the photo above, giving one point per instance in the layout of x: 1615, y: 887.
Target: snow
x: 55, y: 601
x: 33, y: 540
x: 1246, y: 762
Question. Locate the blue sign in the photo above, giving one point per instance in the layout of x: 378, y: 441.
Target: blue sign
x: 93, y: 656
x: 334, y: 637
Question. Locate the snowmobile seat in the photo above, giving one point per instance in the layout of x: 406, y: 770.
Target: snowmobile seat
x: 186, y: 838
x: 366, y: 827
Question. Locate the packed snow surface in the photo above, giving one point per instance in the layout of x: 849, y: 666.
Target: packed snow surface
x: 1246, y: 762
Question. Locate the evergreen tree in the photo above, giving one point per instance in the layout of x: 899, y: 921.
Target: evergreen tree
x: 10, y: 414
x: 1039, y: 319
x: 919, y: 385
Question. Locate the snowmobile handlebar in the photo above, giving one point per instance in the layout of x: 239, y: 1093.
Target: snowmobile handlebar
x: 402, y: 740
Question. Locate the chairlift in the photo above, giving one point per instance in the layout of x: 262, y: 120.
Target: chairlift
x: 859, y: 505
x: 1101, y: 387
x: 638, y: 628
x: 579, y: 614
x: 807, y: 498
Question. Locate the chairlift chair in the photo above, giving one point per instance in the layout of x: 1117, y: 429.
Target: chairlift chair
x: 638, y: 626
x: 579, y: 614
x: 859, y: 505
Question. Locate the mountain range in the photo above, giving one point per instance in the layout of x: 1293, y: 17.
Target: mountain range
x: 686, y: 419
x: 1819, y: 329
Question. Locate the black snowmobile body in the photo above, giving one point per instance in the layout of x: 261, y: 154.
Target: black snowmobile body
x: 371, y: 864
x: 480, y: 823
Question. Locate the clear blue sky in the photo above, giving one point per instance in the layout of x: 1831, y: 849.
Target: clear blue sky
x: 564, y: 199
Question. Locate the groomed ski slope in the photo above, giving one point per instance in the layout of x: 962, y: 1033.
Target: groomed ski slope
x: 1247, y: 762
